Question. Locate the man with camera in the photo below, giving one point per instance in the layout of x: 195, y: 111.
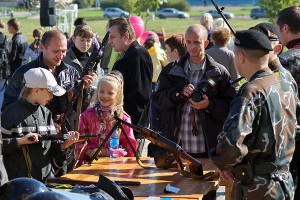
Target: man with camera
x: 194, y: 95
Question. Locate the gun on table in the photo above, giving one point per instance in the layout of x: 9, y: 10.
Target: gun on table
x: 220, y: 11
x: 195, y: 166
x: 58, y: 137
x: 90, y: 66
x: 88, y: 183
x: 64, y: 137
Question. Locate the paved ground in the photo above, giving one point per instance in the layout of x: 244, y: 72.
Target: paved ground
x: 220, y: 191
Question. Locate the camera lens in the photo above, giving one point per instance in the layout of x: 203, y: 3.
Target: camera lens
x: 197, y: 96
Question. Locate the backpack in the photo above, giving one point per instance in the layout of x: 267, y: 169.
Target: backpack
x: 4, y: 65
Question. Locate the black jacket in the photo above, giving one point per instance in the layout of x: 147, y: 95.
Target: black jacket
x: 18, y: 48
x: 28, y: 118
x: 173, y: 79
x: 137, y: 70
x: 65, y: 75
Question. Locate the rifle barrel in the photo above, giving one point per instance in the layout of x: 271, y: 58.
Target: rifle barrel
x: 58, y: 137
x: 220, y: 12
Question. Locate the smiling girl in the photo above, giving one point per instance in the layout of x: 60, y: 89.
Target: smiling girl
x: 99, y: 119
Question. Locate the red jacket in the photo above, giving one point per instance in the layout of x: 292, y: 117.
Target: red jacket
x: 91, y: 123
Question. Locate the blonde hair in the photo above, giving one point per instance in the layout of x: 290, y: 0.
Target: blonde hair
x: 25, y: 92
x: 113, y: 77
x: 219, y: 23
x: 206, y: 17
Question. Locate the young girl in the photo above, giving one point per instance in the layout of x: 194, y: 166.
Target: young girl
x: 24, y: 122
x: 33, y: 51
x: 99, y: 119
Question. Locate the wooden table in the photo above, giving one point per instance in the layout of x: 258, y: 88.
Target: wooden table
x: 153, y: 181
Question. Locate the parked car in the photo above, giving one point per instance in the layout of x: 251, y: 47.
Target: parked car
x: 256, y: 13
x: 215, y: 14
x: 170, y: 12
x: 114, y: 12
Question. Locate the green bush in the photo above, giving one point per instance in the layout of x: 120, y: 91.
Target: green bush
x: 178, y: 4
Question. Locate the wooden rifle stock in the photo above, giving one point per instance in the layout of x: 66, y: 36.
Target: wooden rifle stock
x: 195, y: 166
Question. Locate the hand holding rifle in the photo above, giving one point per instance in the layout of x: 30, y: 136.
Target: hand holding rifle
x: 84, y: 82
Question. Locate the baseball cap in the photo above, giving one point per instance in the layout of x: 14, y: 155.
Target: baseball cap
x: 43, y: 78
x: 269, y: 30
x: 252, y: 39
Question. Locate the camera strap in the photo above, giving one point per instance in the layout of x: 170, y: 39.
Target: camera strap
x: 195, y: 131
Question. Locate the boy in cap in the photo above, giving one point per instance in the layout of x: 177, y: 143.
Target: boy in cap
x: 258, y: 139
x: 24, y: 122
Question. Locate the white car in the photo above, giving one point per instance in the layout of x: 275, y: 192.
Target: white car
x: 114, y: 12
x: 171, y: 12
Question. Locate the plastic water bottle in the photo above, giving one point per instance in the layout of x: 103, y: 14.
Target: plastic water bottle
x: 114, y: 142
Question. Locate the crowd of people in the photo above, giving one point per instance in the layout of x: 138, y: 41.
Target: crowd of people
x: 189, y: 93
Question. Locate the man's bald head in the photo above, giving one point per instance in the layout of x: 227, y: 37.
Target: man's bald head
x: 197, y: 29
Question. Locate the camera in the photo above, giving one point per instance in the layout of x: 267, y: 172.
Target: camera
x: 204, y: 87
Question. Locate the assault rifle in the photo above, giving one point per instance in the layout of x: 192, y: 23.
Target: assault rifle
x: 58, y: 137
x: 195, y: 166
x: 220, y: 11
x: 90, y: 66
x: 64, y: 136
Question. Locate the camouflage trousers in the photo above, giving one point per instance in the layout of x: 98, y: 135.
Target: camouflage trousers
x: 264, y: 188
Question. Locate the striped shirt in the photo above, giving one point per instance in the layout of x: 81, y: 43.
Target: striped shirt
x: 190, y: 142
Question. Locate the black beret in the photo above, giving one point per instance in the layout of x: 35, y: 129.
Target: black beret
x: 269, y: 30
x: 252, y: 40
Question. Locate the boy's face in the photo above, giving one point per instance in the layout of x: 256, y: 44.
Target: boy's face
x: 171, y: 55
x: 42, y: 96
x: 83, y: 44
x: 107, y: 93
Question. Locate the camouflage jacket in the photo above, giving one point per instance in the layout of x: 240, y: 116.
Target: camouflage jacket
x: 260, y: 128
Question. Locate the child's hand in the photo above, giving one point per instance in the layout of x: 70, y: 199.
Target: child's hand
x: 118, y: 152
x: 29, y: 138
x: 74, y: 137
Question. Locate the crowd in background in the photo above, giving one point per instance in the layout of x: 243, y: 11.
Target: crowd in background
x: 189, y: 92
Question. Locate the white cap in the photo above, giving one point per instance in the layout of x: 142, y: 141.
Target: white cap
x: 43, y: 78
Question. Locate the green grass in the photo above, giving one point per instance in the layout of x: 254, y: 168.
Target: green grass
x: 170, y: 26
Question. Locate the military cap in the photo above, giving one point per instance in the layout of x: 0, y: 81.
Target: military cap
x: 252, y: 40
x: 269, y: 30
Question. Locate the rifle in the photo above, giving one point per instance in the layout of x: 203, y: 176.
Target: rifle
x: 90, y: 66
x: 88, y: 183
x: 64, y: 136
x: 195, y: 166
x: 58, y: 137
x: 220, y: 12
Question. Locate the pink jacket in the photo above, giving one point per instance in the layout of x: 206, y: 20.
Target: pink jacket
x: 91, y: 123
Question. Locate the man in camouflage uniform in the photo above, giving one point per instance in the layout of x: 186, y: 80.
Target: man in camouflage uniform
x: 288, y: 24
x: 258, y: 139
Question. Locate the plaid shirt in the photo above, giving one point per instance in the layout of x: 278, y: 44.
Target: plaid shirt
x: 192, y: 143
